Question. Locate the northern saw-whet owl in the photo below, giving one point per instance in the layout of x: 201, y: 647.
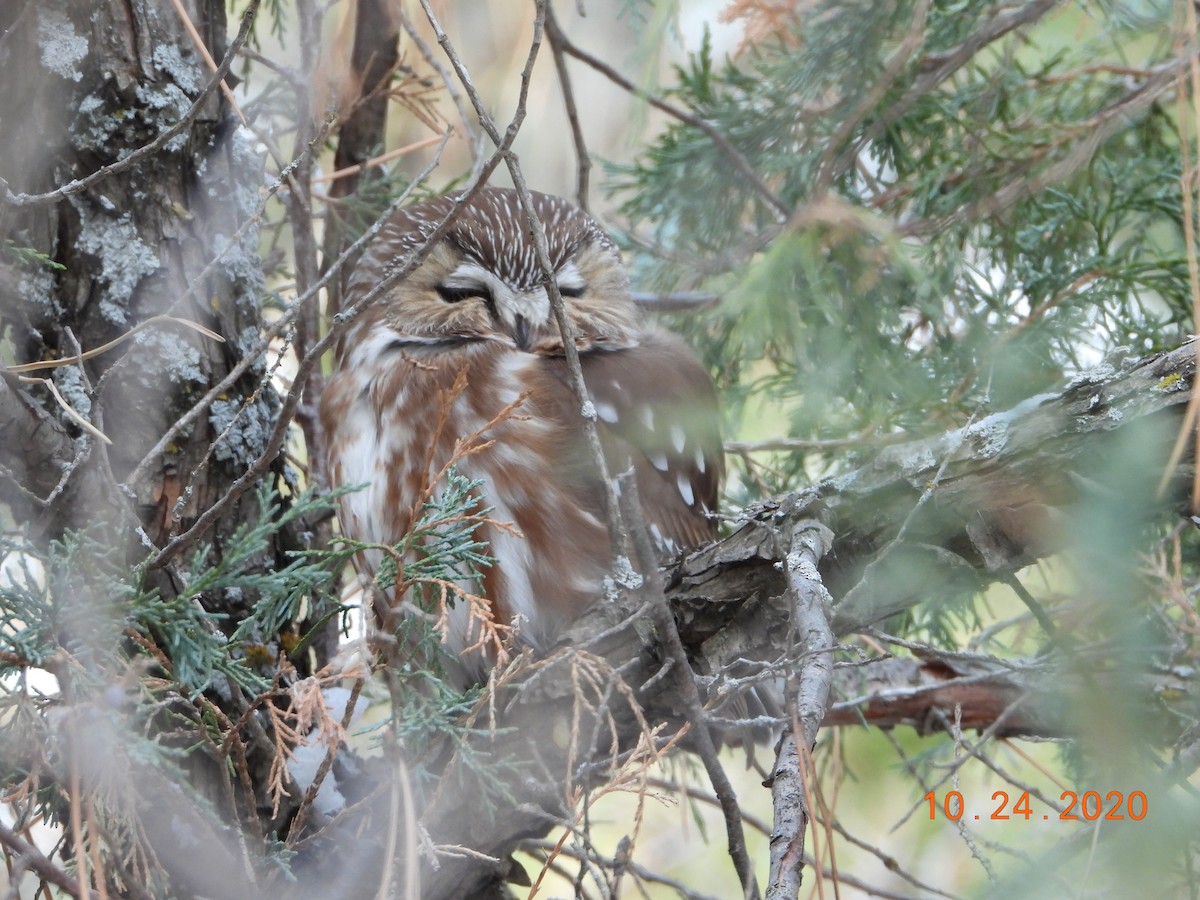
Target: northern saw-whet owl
x: 476, y: 314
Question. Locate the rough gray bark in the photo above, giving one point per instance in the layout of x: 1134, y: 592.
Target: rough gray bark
x: 973, y: 505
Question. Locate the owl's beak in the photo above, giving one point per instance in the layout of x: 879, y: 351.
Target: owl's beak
x: 520, y: 331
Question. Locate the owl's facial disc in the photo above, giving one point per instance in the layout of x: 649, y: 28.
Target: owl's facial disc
x: 524, y: 314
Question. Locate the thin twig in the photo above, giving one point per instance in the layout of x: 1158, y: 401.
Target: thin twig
x: 788, y: 444
x: 583, y: 166
x: 638, y: 871
x: 298, y: 200
x: 674, y: 301
x: 190, y: 28
x: 71, y: 412
x: 374, y: 161
x: 474, y: 141
x: 782, y: 210
x: 310, y: 795
x: 672, y: 647
x: 1187, y: 186
x: 41, y: 865
x: 115, y: 342
x: 1093, y: 133
x: 946, y: 65
x: 868, y: 101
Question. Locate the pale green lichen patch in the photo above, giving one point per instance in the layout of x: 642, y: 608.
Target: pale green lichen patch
x: 248, y: 432
x: 164, y: 105
x: 36, y: 285
x: 70, y: 384
x: 164, y: 350
x: 989, y: 437
x: 94, y: 128
x: 124, y: 259
x: 170, y: 61
x: 63, y: 49
x: 1172, y: 382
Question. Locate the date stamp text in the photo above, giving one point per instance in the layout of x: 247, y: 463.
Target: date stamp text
x: 1088, y: 806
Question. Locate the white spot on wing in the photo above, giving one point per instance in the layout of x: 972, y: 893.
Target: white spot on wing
x: 647, y: 417
x: 678, y: 438
x: 606, y: 411
x: 659, y: 460
x: 569, y: 278
x: 685, y: 488
x: 700, y: 464
x: 591, y: 519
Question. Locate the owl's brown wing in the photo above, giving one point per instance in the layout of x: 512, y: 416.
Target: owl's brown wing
x: 657, y: 411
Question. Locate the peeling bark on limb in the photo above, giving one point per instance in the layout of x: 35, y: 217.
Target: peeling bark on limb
x: 998, y: 506
x: 807, y: 698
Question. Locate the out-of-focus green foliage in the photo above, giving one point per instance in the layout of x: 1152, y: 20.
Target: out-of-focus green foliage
x: 970, y: 220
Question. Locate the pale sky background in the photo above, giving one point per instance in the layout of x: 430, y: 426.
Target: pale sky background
x: 493, y: 40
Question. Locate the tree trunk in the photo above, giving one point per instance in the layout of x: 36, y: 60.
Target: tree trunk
x: 173, y: 235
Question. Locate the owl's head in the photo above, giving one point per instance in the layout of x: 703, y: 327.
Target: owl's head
x: 482, y: 281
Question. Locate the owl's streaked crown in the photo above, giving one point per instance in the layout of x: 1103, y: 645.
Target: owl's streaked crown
x: 483, y: 281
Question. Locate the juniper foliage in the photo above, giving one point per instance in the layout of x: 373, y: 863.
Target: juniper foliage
x: 968, y: 225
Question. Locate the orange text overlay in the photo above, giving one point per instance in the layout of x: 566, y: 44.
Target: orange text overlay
x: 1089, y: 806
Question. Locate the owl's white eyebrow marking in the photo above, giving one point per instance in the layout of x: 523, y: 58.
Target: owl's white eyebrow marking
x: 472, y: 275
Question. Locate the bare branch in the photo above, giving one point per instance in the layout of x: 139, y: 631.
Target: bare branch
x: 807, y: 699
x: 39, y: 863
x: 583, y: 160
